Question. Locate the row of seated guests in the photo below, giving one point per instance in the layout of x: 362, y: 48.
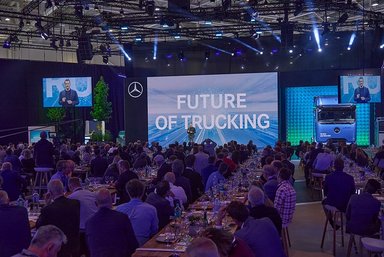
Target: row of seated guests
x: 362, y: 211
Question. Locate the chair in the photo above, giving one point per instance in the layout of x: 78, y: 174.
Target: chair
x: 42, y: 177
x: 351, y: 242
x: 286, y: 240
x: 317, y: 180
x: 373, y: 245
x: 337, y: 217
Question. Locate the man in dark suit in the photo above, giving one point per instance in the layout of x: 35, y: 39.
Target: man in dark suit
x: 181, y: 181
x: 159, y: 201
x: 363, y: 211
x: 63, y: 213
x: 12, y: 182
x: 43, y: 152
x: 109, y: 233
x: 125, y: 175
x: 195, y: 178
x: 338, y: 187
x: 14, y: 226
x: 99, y: 164
x: 68, y: 97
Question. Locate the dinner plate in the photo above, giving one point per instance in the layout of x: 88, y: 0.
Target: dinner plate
x: 162, y: 238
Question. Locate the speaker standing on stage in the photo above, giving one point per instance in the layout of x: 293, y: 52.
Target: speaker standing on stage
x: 191, y: 133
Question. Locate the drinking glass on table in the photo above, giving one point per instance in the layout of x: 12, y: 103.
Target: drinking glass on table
x: 168, y: 235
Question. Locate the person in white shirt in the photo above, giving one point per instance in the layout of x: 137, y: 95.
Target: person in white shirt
x: 178, y: 192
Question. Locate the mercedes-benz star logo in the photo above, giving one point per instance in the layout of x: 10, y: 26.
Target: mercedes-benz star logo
x: 135, y: 89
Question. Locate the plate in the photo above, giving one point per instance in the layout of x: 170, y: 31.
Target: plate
x: 164, y: 238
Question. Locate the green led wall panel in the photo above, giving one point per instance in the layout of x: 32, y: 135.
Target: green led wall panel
x: 300, y: 117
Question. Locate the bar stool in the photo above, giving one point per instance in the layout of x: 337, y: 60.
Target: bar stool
x: 373, y: 245
x: 317, y: 180
x: 286, y: 240
x: 43, y: 174
x: 337, y: 217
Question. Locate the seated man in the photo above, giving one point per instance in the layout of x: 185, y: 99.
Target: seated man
x: 202, y: 247
x: 126, y: 174
x: 15, y: 232
x: 46, y: 242
x: 217, y: 177
x: 143, y: 216
x: 259, y: 210
x: 363, y: 211
x: 177, y: 192
x: 159, y: 201
x: 63, y: 213
x: 108, y: 232
x: 63, y: 172
x: 270, y: 186
x: 285, y: 200
x: 259, y: 234
x: 12, y: 182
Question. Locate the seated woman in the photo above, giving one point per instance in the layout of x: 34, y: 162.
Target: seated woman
x: 227, y: 244
x: 363, y: 211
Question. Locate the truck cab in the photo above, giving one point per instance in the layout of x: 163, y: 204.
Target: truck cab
x: 333, y: 120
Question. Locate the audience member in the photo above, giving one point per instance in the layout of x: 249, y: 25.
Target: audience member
x: 99, y: 164
x: 202, y: 247
x: 143, y: 216
x: 12, y: 182
x: 13, y: 159
x: 194, y: 177
x: 178, y: 169
x: 178, y: 193
x: 43, y: 152
x: 15, y: 232
x: 63, y: 172
x: 227, y: 244
x: 285, y: 200
x: 201, y: 160
x: 338, y: 188
x: 47, y: 242
x: 270, y: 186
x: 108, y: 232
x: 259, y: 234
x: 126, y: 174
x: 207, y: 171
x: 363, y: 211
x: 217, y: 177
x: 259, y: 210
x: 209, y: 146
x: 63, y: 213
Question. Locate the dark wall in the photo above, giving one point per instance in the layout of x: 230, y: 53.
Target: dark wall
x: 21, y: 97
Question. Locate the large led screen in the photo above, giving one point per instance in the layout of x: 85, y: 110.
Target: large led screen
x: 360, y: 89
x: 239, y: 107
x: 67, y: 92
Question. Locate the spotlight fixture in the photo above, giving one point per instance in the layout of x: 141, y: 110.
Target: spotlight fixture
x: 61, y: 42
x: 299, y: 7
x: 7, y: 44
x: 343, y: 18
x: 181, y: 56
x: 207, y: 54
x: 105, y: 49
x: 326, y: 29
x: 79, y: 11
x: 68, y: 43
x: 21, y: 24
x: 44, y: 35
x: 53, y: 44
x: 122, y: 11
x: 225, y: 4
x: 150, y: 7
x: 105, y: 59
x: 14, y: 38
x: 48, y: 4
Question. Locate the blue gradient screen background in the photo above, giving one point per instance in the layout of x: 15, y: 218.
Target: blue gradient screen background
x: 53, y: 86
x: 261, y: 98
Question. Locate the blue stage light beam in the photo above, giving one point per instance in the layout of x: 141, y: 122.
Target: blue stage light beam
x: 218, y: 49
x: 317, y: 38
x: 351, y: 40
x: 155, y: 48
x: 246, y: 45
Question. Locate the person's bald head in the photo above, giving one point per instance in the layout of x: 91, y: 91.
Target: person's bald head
x: 4, y: 199
x: 256, y: 196
x: 104, y: 198
x: 55, y: 188
x: 202, y: 247
x: 170, y: 177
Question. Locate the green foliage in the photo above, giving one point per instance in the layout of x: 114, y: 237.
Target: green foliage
x: 56, y: 114
x: 102, y: 108
x: 97, y: 136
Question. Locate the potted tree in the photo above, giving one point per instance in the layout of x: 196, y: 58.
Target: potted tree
x: 101, y: 111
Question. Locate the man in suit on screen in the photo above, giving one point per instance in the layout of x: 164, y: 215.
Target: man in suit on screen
x: 361, y: 94
x: 68, y: 97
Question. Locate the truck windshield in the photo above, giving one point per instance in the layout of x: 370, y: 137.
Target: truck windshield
x: 336, y: 115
